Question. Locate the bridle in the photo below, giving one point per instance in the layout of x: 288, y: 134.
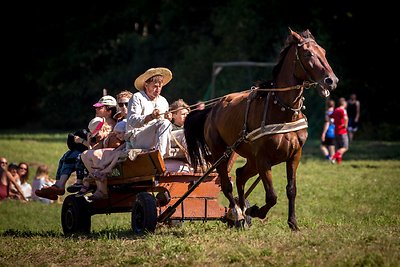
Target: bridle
x: 298, y: 60
x: 306, y: 84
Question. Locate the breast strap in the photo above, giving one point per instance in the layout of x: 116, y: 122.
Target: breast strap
x: 277, y: 129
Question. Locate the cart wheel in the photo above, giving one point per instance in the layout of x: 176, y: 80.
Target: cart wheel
x: 247, y: 218
x: 75, y: 216
x: 144, y: 213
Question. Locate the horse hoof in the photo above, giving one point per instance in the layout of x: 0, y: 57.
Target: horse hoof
x: 293, y: 227
x: 252, y: 211
x: 234, y: 214
x: 241, y: 224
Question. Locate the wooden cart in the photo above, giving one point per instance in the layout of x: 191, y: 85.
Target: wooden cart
x: 145, y: 188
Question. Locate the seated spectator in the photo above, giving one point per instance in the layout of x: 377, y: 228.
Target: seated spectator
x: 122, y: 108
x: 3, y: 162
x: 106, y: 108
x: 41, y: 180
x: 100, y: 162
x: 6, y: 179
x: 13, y: 169
x: 70, y: 161
x: 23, y: 172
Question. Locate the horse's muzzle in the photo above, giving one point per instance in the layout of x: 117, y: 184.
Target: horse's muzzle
x: 331, y: 82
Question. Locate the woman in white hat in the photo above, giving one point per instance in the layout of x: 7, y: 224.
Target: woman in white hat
x: 148, y: 121
x: 106, y: 108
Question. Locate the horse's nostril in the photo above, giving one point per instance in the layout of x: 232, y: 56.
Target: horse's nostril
x: 328, y: 81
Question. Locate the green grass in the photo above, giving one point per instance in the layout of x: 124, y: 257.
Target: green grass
x: 348, y: 216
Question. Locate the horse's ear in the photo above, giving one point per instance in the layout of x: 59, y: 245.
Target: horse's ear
x: 296, y: 37
x: 308, y: 34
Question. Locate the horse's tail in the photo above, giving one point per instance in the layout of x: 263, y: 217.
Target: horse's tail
x: 194, y: 133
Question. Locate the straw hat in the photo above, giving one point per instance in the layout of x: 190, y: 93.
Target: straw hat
x: 166, y: 73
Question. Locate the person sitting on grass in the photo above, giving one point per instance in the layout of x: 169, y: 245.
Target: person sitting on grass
x: 41, y: 180
x: 23, y: 173
x: 6, y: 179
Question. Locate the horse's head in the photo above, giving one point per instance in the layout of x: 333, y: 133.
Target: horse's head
x: 311, y: 63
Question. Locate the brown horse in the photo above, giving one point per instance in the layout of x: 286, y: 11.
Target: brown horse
x: 264, y: 125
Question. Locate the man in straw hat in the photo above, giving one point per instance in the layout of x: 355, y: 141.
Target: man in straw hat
x: 148, y: 120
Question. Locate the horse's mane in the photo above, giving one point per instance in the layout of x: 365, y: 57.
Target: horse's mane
x: 265, y: 85
x: 277, y: 68
x: 288, y: 43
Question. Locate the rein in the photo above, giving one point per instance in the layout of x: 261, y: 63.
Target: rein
x: 305, y: 85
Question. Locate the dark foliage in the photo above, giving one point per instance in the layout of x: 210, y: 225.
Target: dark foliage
x: 59, y: 56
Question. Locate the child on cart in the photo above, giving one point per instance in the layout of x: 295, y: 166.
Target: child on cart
x: 100, y: 162
x: 70, y: 162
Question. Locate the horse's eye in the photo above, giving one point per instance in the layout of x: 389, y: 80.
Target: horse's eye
x: 308, y: 54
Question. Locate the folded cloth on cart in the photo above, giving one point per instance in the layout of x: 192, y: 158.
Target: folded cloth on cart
x: 131, y: 154
x: 176, y: 165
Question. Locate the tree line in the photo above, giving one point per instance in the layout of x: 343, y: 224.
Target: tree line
x: 61, y: 55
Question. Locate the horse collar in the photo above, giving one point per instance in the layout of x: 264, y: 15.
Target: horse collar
x: 284, y: 107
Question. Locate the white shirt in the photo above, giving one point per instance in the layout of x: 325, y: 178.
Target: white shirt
x: 37, y: 184
x: 26, y: 190
x: 140, y: 106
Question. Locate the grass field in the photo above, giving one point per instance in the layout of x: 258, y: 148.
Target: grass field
x: 348, y: 216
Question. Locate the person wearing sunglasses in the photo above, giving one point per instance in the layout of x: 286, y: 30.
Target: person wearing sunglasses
x: 23, y: 172
x: 3, y: 162
x: 6, y: 180
x: 122, y: 108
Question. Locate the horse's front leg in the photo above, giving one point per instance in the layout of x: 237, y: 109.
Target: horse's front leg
x: 243, y: 174
x: 291, y: 191
x: 226, y: 183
